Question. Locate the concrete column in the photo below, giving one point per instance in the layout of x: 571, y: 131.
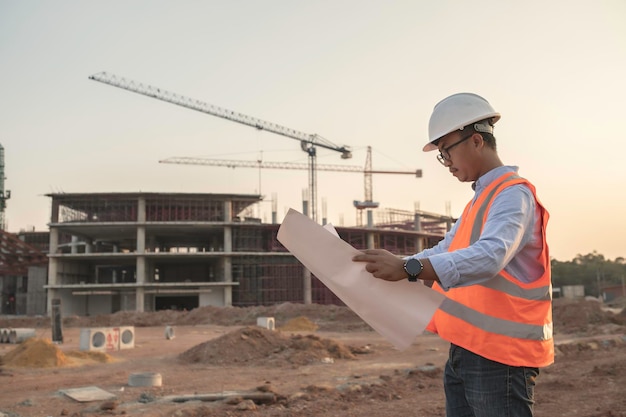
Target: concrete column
x: 370, y: 240
x: 52, y: 267
x: 228, y: 239
x: 74, y: 245
x: 227, y: 262
x: 141, y: 266
x: 141, y: 240
x: 52, y: 294
x: 52, y: 263
x: 141, y: 279
x: 141, y: 210
x: 141, y: 260
x: 227, y: 265
x: 228, y: 211
x: 139, y: 300
x: 308, y: 292
x: 417, y: 222
x: 228, y: 277
x: 418, y: 227
x: 141, y: 270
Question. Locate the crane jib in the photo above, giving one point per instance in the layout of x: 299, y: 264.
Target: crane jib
x: 213, y: 110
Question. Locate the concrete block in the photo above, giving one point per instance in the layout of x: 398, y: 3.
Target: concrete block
x: 266, y: 322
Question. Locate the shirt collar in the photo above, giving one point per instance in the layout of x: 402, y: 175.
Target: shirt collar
x: 481, y: 183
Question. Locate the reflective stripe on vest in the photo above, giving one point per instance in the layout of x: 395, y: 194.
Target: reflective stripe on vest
x: 496, y: 325
x: 499, y: 283
x: 502, y: 319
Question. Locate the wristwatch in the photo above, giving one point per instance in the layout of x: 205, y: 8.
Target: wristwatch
x: 413, y: 267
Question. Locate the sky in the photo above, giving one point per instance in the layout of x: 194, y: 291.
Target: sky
x: 356, y: 72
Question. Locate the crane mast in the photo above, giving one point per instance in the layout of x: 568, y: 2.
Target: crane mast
x: 308, y: 142
x: 4, y: 194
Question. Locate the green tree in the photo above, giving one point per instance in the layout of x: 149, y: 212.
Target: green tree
x: 593, y: 271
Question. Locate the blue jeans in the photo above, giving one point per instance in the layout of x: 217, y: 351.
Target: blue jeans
x: 479, y: 387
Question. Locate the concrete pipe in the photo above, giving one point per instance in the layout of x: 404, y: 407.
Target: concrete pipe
x: 20, y: 335
x: 4, y: 335
x: 266, y: 322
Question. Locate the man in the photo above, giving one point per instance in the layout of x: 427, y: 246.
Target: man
x: 493, y: 267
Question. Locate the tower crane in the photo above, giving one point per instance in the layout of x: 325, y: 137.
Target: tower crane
x: 4, y: 194
x: 308, y: 142
x: 368, y: 171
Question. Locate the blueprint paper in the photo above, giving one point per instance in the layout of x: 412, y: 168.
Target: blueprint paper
x: 398, y: 311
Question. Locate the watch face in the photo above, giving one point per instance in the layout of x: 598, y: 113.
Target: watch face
x: 413, y: 267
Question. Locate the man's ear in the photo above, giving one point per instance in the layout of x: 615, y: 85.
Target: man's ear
x: 478, y: 140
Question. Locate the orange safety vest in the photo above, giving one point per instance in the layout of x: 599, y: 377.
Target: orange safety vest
x: 502, y: 319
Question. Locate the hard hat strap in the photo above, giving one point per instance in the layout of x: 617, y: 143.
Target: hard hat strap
x: 484, y: 127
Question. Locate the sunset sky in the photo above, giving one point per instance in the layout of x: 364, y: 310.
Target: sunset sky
x: 359, y: 73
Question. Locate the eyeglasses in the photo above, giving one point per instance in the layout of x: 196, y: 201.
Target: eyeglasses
x: 444, y: 154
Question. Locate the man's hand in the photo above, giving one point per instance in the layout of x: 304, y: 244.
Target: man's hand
x: 382, y: 264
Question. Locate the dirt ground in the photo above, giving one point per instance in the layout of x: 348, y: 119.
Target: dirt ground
x: 321, y: 361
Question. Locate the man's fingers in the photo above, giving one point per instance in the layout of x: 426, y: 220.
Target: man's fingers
x: 367, y: 255
x: 365, y: 258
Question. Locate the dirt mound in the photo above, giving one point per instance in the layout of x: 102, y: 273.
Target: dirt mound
x: 42, y: 353
x: 570, y: 317
x: 299, y: 324
x: 126, y: 318
x: 259, y: 346
x: 584, y: 316
x: 89, y: 356
x: 35, y: 353
x: 591, y: 345
x: 326, y: 317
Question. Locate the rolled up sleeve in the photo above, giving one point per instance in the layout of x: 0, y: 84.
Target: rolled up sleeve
x: 507, y: 229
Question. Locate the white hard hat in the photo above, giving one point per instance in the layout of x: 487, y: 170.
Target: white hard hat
x: 457, y: 111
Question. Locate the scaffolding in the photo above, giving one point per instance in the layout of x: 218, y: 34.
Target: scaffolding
x: 418, y: 220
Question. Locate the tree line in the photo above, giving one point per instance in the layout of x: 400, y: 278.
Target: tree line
x: 592, y: 271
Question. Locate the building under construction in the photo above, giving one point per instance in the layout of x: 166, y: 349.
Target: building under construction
x: 152, y: 251
x: 23, y: 273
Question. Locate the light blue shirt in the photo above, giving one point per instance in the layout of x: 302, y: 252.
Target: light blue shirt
x: 511, y: 239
